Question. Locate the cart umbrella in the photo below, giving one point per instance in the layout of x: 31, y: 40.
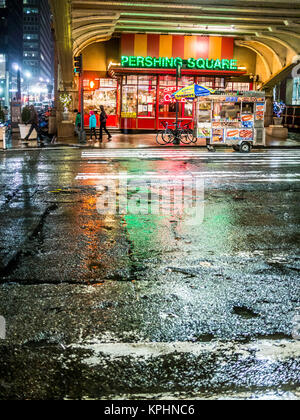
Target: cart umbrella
x: 192, y: 91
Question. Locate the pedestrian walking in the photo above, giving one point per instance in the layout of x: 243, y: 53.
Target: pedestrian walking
x: 103, y: 120
x: 93, y: 125
x: 6, y: 114
x: 34, y: 121
x: 78, y: 123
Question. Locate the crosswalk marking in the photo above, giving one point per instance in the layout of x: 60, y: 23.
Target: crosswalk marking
x: 270, y: 166
x: 266, y: 350
x: 116, y: 175
x: 254, y: 158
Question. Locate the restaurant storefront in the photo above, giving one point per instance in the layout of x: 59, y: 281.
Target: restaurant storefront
x: 137, y: 93
x: 101, y: 91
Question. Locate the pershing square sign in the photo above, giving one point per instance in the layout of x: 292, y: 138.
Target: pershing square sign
x: 168, y: 63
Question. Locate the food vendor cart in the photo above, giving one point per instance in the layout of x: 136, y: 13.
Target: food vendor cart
x: 231, y: 119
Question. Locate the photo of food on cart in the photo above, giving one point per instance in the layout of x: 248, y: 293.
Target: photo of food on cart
x: 260, y: 110
x: 204, y: 133
x: 217, y: 135
x: 246, y: 134
x: 232, y: 134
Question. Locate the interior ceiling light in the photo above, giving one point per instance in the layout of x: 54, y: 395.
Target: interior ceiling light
x: 217, y: 28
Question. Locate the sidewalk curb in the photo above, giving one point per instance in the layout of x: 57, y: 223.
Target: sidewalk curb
x: 79, y: 146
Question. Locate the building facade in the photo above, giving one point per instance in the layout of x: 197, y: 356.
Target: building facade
x: 134, y: 76
x: 11, y: 47
x: 38, y: 48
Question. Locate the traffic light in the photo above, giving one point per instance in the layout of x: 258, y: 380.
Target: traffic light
x: 78, y: 65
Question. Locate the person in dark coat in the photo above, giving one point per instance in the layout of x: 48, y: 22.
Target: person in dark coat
x: 103, y: 120
x: 34, y: 121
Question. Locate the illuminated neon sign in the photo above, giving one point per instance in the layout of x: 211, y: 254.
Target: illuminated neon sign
x: 171, y: 63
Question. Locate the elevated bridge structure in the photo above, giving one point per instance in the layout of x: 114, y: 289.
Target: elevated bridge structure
x: 268, y: 28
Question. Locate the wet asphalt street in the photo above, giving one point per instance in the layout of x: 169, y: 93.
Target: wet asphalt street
x: 149, y: 274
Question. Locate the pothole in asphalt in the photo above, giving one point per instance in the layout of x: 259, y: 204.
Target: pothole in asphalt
x: 244, y: 312
x: 204, y: 338
x: 275, y: 337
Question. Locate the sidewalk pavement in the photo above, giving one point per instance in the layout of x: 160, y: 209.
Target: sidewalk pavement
x: 142, y: 140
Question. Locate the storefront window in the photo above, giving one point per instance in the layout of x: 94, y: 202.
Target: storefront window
x: 129, y: 102
x: 131, y: 80
x: 147, y: 80
x: 206, y: 81
x: 188, y: 109
x: 105, y: 94
x: 237, y: 86
x: 167, y: 81
x: 171, y: 81
x: 219, y: 83
x: 108, y: 82
x: 186, y: 81
x: 102, y: 96
x: 146, y: 101
x: 167, y: 105
x: 139, y: 96
x: 212, y: 82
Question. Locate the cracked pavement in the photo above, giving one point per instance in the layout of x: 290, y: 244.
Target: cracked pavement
x: 144, y: 305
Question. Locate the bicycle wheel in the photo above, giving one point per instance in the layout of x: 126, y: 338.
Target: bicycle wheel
x: 169, y: 136
x: 160, y: 138
x: 164, y: 137
x: 186, y: 137
x: 191, y: 135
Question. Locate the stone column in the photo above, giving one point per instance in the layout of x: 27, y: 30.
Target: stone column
x: 269, y: 109
x: 62, y: 28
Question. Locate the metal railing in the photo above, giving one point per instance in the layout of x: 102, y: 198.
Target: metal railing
x: 291, y: 116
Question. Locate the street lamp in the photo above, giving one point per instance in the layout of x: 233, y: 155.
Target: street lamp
x: 17, y: 69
